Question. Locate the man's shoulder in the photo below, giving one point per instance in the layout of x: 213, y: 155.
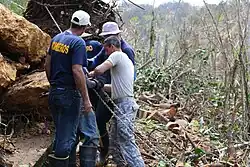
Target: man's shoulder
x: 57, y: 36
x: 77, y: 39
x: 118, y: 53
x: 64, y: 36
x: 93, y: 42
x: 126, y: 46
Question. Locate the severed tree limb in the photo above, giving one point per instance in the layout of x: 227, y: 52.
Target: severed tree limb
x: 136, y: 5
x: 148, y: 155
x: 235, y: 146
x: 147, y: 63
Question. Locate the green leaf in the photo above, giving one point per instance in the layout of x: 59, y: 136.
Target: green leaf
x: 187, y: 165
x: 199, y: 151
x: 162, y: 163
x: 220, y: 17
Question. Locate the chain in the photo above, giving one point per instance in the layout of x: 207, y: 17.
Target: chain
x: 149, y: 145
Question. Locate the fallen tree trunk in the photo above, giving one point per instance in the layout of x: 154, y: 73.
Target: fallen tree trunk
x: 26, y: 95
x: 19, y: 37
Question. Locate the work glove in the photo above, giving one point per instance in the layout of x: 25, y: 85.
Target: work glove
x: 94, y: 84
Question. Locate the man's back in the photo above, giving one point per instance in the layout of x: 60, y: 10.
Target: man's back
x: 93, y: 47
x: 66, y: 49
x: 122, y: 75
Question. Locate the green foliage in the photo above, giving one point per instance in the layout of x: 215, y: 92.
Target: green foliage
x: 162, y: 164
x: 134, y: 19
x: 17, y: 6
x: 152, y: 80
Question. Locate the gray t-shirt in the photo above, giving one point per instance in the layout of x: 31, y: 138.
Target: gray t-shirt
x: 122, y: 75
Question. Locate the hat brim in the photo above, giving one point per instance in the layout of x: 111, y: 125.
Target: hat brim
x: 110, y: 33
x: 88, y: 24
x: 84, y: 35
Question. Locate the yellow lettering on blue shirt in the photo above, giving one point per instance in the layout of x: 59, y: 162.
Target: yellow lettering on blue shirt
x: 89, y: 48
x: 60, y: 47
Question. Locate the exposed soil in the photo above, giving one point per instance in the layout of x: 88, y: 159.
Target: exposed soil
x: 27, y: 148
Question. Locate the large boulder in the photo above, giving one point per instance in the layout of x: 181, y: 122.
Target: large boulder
x: 27, y: 94
x: 19, y: 37
x: 7, y: 73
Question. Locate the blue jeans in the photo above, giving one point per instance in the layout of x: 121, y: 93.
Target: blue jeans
x: 87, y: 132
x: 123, y: 147
x: 64, y: 104
x: 87, y: 129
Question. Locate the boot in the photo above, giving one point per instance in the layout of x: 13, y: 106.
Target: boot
x: 101, y: 160
x: 72, y: 158
x: 88, y: 156
x: 103, y: 155
x: 58, y: 162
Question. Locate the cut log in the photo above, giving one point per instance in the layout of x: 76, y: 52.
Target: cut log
x: 19, y: 37
x: 7, y: 73
x: 25, y: 94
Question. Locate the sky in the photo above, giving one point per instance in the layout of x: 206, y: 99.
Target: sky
x: 158, y: 2
x: 193, y: 2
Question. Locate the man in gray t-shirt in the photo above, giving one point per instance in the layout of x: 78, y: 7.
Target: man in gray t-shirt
x: 122, y: 141
x: 122, y: 75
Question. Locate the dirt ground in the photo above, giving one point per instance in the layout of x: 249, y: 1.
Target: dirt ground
x: 26, y: 149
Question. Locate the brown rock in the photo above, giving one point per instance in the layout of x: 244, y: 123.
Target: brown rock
x: 25, y: 94
x: 7, y: 73
x: 20, y: 37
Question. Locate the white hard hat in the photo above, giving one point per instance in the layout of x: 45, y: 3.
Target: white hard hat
x: 110, y: 28
x: 81, y: 18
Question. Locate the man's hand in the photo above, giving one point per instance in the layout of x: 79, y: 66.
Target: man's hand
x: 87, y: 106
x: 91, y: 74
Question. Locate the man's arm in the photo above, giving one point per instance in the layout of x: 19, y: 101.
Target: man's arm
x: 101, y: 68
x: 80, y: 81
x: 79, y: 60
x: 47, y: 66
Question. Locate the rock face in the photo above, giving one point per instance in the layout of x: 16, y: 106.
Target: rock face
x: 7, y: 73
x: 27, y: 94
x: 20, y: 37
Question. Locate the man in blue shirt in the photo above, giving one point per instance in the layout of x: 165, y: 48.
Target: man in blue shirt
x: 64, y: 62
x: 93, y: 47
x: 103, y: 115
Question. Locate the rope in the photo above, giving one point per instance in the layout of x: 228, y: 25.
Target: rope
x: 53, y: 18
x: 151, y: 146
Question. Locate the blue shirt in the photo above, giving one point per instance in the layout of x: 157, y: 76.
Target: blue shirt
x: 101, y: 57
x: 66, y: 50
x: 93, y: 47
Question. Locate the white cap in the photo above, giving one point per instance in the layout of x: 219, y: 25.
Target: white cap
x: 110, y: 28
x: 85, y: 34
x: 81, y: 18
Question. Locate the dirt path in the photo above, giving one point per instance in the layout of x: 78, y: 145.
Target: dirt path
x: 28, y: 149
